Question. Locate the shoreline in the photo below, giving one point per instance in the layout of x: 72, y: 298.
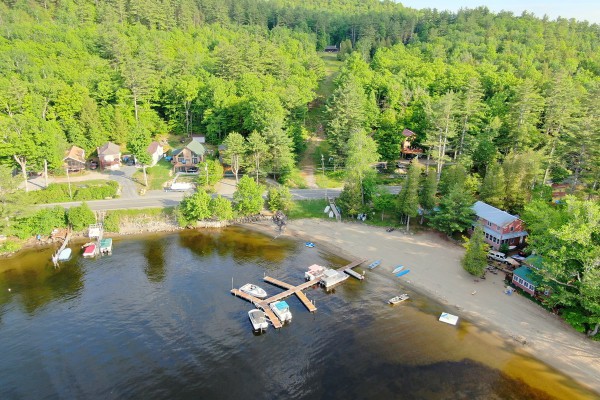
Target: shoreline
x: 436, y: 272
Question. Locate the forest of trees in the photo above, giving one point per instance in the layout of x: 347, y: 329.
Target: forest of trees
x: 502, y: 105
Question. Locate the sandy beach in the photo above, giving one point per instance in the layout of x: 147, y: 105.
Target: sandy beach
x: 435, y: 270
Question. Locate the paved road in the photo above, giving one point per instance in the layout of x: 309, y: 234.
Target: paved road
x: 157, y: 198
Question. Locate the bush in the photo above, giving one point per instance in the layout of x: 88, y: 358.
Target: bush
x: 41, y: 222
x: 9, y: 247
x: 80, y: 217
x: 279, y: 198
x: 221, y: 208
x: 83, y: 191
x: 248, y: 197
x: 112, y: 222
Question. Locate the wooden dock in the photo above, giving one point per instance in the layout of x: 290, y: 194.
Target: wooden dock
x: 289, y: 291
x: 62, y: 247
x: 348, y: 269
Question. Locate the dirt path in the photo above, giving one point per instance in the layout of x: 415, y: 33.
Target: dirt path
x: 316, y: 119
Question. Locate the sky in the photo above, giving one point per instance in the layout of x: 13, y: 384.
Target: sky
x: 579, y: 9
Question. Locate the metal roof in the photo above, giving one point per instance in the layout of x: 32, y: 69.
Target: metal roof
x: 528, y: 275
x: 493, y: 214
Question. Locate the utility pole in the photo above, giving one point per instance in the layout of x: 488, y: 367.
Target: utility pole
x: 69, y: 180
x: 206, y: 169
x: 323, y: 172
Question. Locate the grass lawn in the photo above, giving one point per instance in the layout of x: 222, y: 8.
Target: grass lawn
x: 295, y: 180
x: 157, y: 175
x: 307, y: 209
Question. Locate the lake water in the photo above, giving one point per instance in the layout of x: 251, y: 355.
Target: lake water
x: 156, y: 320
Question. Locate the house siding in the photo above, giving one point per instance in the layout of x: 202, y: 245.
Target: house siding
x: 523, y: 284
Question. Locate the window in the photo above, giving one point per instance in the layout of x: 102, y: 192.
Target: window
x: 512, y: 228
x: 194, y: 159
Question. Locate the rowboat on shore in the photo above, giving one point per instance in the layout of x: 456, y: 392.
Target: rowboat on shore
x: 398, y: 299
x: 398, y: 269
x: 374, y: 264
x: 403, y: 272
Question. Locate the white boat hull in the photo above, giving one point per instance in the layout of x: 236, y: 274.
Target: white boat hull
x: 254, y: 290
x: 258, y: 320
x: 283, y: 315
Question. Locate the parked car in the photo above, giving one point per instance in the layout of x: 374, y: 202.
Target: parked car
x: 192, y: 170
x: 93, y: 165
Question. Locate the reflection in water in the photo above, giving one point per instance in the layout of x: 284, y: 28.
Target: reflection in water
x: 121, y: 335
x: 154, y: 251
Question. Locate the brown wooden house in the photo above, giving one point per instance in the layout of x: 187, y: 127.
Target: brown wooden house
x: 187, y: 158
x: 74, y: 159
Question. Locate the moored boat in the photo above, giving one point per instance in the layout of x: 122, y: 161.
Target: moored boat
x: 90, y: 250
x: 398, y: 269
x: 258, y: 320
x: 374, y: 264
x: 254, y: 290
x: 65, y: 255
x: 282, y: 310
x: 398, y: 299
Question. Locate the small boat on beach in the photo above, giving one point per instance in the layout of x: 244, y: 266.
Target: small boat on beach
x: 398, y: 269
x: 309, y: 244
x: 65, y: 255
x: 398, y: 299
x: 374, y: 264
x: 254, y: 290
x: 448, y: 318
x: 258, y: 320
x: 89, y: 250
x: 403, y: 272
x: 282, y: 310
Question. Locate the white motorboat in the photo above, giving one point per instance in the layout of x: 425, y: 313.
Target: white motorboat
x: 282, y: 310
x: 258, y: 319
x: 398, y: 299
x: 254, y: 290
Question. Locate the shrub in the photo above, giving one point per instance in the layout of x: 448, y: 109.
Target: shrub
x: 248, y: 197
x: 112, y: 222
x: 41, y: 222
x: 80, y: 217
x: 9, y: 246
x: 221, y: 208
x: 279, y: 198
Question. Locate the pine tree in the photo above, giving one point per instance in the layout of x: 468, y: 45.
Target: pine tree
x: 455, y: 212
x: 493, y: 188
x: 408, y: 198
x: 427, y: 195
x: 475, y: 259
